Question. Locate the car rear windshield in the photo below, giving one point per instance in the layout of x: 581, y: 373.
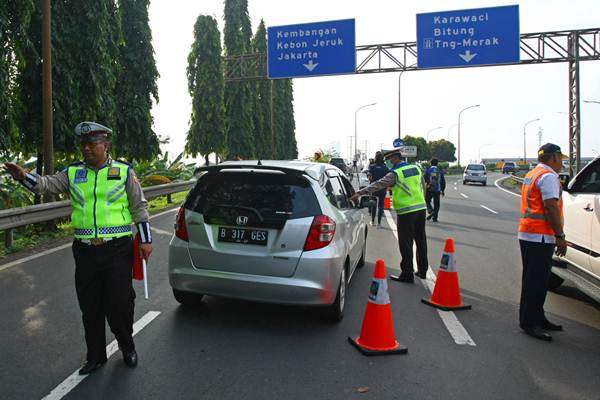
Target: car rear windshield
x: 267, y: 199
x: 476, y: 167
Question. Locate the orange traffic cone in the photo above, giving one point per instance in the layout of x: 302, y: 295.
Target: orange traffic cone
x: 446, y: 294
x: 387, y: 203
x: 377, y: 334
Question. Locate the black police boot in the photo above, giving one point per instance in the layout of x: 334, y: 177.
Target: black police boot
x: 406, y: 278
x: 91, y: 366
x: 549, y: 326
x: 130, y: 358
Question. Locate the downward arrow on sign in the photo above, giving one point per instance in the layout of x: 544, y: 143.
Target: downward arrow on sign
x: 467, y: 56
x: 310, y: 66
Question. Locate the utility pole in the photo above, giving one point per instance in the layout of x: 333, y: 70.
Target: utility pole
x: 47, y: 116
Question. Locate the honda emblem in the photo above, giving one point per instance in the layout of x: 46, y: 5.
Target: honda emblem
x: 242, y: 220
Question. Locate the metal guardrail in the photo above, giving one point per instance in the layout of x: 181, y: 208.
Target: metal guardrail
x: 21, y: 216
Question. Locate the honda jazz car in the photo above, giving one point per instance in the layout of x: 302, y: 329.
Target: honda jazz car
x: 273, y: 231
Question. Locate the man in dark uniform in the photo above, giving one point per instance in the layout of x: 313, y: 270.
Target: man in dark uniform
x: 106, y: 199
x: 408, y: 199
x: 378, y: 170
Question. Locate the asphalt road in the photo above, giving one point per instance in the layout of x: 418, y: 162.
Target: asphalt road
x: 230, y: 349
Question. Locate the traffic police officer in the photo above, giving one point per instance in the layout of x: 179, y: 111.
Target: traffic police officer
x: 106, y: 199
x: 540, y: 235
x: 408, y: 199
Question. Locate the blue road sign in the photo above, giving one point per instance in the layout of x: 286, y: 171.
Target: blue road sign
x: 479, y: 36
x: 398, y: 142
x: 318, y: 48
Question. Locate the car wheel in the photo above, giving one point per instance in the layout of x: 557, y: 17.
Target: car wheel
x: 335, y: 312
x: 187, y: 298
x: 464, y: 182
x: 554, y: 281
x: 484, y: 183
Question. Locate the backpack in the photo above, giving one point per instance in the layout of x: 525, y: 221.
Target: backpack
x: 434, y: 180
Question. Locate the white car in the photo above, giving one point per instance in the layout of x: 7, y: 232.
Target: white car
x: 581, y: 204
x: 475, y: 173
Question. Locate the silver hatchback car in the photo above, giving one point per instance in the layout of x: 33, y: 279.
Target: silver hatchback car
x: 272, y: 231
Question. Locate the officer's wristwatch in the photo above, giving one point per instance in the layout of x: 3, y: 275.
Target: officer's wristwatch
x: 561, y: 236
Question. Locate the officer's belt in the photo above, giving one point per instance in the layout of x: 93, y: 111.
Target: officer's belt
x: 95, y: 241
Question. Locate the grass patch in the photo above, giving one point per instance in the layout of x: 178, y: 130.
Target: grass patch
x: 34, y: 236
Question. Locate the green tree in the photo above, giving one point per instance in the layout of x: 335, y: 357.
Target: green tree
x: 238, y: 95
x: 290, y: 150
x: 14, y: 42
x: 423, y: 152
x: 262, y: 101
x: 205, y: 85
x: 137, y: 75
x: 279, y: 118
x: 85, y: 37
x: 443, y: 150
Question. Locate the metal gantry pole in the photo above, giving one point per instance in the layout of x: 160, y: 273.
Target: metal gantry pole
x: 574, y: 106
x: 272, y: 121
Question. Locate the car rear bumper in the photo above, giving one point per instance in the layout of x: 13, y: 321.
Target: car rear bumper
x: 471, y: 178
x: 314, y: 282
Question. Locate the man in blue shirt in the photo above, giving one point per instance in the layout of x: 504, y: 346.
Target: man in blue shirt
x: 378, y: 170
x: 436, y: 186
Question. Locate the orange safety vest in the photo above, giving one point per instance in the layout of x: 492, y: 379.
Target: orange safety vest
x: 533, y: 218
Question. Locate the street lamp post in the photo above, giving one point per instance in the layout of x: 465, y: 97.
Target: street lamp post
x: 524, y: 141
x: 591, y: 101
x: 461, y: 111
x: 399, y: 101
x: 431, y: 130
x: 356, y: 130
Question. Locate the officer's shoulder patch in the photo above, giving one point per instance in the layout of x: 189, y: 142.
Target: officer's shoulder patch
x: 410, y: 172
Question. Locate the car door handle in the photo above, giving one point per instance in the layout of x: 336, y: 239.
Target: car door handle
x: 588, y: 208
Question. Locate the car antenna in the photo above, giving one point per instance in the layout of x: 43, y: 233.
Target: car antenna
x: 258, y: 163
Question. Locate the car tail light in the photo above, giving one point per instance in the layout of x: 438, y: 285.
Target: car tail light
x: 321, y: 233
x: 180, y: 225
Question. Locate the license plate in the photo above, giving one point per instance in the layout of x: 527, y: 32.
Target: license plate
x: 243, y: 236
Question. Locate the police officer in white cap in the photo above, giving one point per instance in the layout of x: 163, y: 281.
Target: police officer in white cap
x: 107, y: 199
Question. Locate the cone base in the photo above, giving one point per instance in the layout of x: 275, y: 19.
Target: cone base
x: 446, y: 308
x: 399, y: 349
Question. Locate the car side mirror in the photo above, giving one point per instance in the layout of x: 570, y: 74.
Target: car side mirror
x: 367, y: 201
x: 564, y: 181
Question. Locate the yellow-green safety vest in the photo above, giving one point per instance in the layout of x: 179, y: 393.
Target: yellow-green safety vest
x: 407, y: 193
x: 99, y: 201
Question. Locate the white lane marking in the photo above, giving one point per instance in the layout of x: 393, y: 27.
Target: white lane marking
x: 74, y: 379
x: 504, y: 190
x: 162, y: 231
x: 464, y: 195
x: 32, y: 257
x: 64, y: 246
x: 455, y: 188
x: 453, y: 325
x: 164, y: 212
x: 455, y: 183
x: 489, y: 209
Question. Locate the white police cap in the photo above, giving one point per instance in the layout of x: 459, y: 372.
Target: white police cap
x: 87, y: 127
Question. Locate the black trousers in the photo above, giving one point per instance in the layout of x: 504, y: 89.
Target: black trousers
x: 378, y: 210
x: 435, y: 209
x: 103, y: 282
x: 537, y: 262
x: 411, y: 228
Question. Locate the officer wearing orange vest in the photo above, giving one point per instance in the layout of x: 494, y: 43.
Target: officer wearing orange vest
x: 540, y: 235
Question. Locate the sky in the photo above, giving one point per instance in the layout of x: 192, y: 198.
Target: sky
x: 509, y: 96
